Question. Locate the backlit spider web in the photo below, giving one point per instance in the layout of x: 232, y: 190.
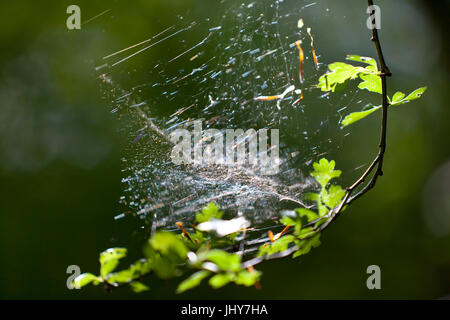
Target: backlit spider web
x: 214, y: 69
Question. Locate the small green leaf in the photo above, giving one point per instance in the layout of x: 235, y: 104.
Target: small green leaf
x: 334, y: 196
x: 416, y: 94
x: 279, y: 245
x: 356, y: 116
x: 366, y: 60
x: 288, y: 221
x: 135, y: 271
x: 123, y: 276
x: 339, y: 73
x: 193, y: 281
x: 398, y: 96
x: 324, y: 171
x: 224, y: 260
x: 138, y: 286
x: 109, y: 260
x: 310, y: 215
x: 211, y: 211
x: 220, y: 280
x: 164, y: 266
x: 168, y: 244
x: 84, y: 279
x: 311, y: 196
x: 372, y: 82
x: 306, y: 245
x: 292, y: 218
x: 247, y: 278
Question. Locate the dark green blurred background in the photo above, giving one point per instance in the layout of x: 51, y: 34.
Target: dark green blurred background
x: 60, y: 151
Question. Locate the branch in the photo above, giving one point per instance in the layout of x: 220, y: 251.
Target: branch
x: 377, y: 163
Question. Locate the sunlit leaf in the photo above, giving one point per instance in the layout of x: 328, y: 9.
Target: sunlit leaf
x: 123, y: 276
x: 109, y: 260
x: 224, y: 260
x: 372, y: 82
x: 356, y: 116
x: 366, y: 60
x: 84, y: 279
x: 311, y: 196
x: 305, y: 246
x: 279, y: 245
x: 310, y: 215
x: 164, y: 267
x: 398, y: 96
x: 211, y: 211
x: 288, y: 221
x: 416, y: 94
x: 334, y: 196
x: 339, y: 73
x: 193, y: 281
x: 220, y: 280
x: 247, y: 278
x: 135, y: 271
x: 168, y: 244
x: 324, y: 171
x: 138, y: 286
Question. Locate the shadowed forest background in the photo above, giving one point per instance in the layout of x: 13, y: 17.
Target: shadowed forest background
x: 61, y: 150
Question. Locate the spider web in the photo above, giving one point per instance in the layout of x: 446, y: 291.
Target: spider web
x: 215, y: 69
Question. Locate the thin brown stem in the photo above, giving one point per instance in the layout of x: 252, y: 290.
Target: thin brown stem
x: 377, y: 163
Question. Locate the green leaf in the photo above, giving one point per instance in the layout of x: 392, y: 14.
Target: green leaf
x: 310, y: 215
x: 306, y: 245
x: 311, y: 196
x: 356, y: 116
x: 220, y: 280
x: 372, y: 82
x: 334, y: 196
x: 141, y: 267
x: 123, y: 276
x: 339, y: 73
x: 291, y: 218
x: 366, y: 60
x: 416, y: 94
x: 324, y: 171
x: 193, y: 281
x: 247, y: 278
x: 211, y: 211
x: 279, y: 245
x: 288, y: 221
x: 109, y: 260
x: 398, y: 96
x: 224, y: 260
x: 168, y: 244
x: 84, y: 279
x: 138, y: 286
x: 135, y: 271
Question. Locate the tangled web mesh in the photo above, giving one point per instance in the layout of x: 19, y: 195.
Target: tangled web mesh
x: 218, y: 70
